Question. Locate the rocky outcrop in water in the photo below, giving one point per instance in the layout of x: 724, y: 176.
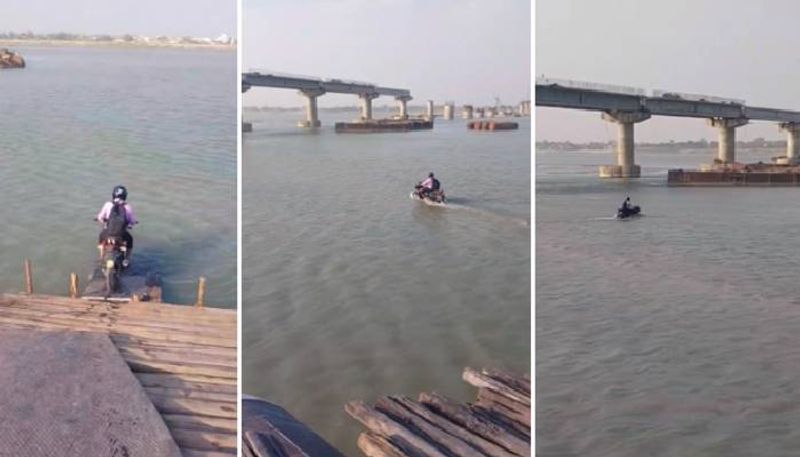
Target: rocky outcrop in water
x: 10, y: 59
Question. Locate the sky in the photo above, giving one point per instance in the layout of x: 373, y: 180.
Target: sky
x: 199, y: 18
x: 737, y: 49
x: 466, y: 51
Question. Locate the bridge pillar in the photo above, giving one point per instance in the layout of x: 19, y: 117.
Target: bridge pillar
x: 792, y: 130
x: 402, y: 102
x: 466, y: 111
x: 726, y: 152
x: 429, y: 113
x: 625, y: 167
x: 448, y: 111
x: 312, y: 113
x: 366, y: 105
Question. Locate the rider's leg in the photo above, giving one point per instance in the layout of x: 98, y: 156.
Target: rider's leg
x: 101, y: 242
x: 129, y: 243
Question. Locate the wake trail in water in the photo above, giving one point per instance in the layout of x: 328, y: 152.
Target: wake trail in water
x: 521, y: 221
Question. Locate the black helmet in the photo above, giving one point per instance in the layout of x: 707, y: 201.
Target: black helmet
x: 120, y: 192
x: 430, y: 175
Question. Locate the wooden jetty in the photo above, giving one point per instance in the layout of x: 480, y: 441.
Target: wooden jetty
x: 184, y: 357
x: 497, y: 424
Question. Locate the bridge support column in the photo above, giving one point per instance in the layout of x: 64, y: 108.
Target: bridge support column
x: 726, y: 152
x: 429, y: 113
x: 625, y: 167
x: 792, y: 130
x: 312, y: 113
x: 466, y: 112
x: 366, y: 106
x: 402, y: 103
x: 448, y: 111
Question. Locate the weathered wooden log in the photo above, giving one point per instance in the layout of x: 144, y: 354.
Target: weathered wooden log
x: 28, y: 277
x: 381, y: 424
x: 373, y: 445
x: 442, y: 440
x: 520, y: 383
x: 201, y: 292
x: 482, y: 379
x: 510, y: 425
x: 193, y: 422
x: 478, y: 425
x: 73, y: 286
x: 484, y: 446
x: 513, y: 410
x: 201, y: 440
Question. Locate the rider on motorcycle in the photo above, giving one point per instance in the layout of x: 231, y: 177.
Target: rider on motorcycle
x: 117, y: 218
x: 429, y: 185
x: 626, y: 205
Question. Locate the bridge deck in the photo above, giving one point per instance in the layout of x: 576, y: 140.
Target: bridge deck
x: 557, y: 96
x: 313, y: 84
x: 184, y: 357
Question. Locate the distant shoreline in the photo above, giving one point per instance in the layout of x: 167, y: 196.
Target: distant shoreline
x: 11, y: 43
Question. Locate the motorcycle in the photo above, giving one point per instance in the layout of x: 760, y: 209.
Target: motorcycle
x: 113, y: 261
x: 431, y: 197
x: 624, y: 213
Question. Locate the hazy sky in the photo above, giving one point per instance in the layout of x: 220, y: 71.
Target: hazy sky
x: 468, y: 51
x: 738, y: 49
x: 115, y: 17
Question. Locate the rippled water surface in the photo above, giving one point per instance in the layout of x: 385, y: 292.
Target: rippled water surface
x: 352, y: 290
x: 673, y: 334
x: 78, y: 121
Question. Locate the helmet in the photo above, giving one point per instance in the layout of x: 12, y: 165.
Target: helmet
x: 430, y: 175
x: 120, y: 192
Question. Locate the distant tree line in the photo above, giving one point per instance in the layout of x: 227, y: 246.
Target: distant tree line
x: 672, y: 144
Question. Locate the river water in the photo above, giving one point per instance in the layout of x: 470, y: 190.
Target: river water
x: 78, y: 121
x: 672, y: 334
x: 351, y: 290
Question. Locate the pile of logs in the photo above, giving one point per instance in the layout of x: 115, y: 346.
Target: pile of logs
x: 492, y: 125
x: 498, y: 424
x: 10, y: 59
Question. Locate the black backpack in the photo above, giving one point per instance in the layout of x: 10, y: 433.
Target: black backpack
x: 436, y: 184
x: 117, y: 222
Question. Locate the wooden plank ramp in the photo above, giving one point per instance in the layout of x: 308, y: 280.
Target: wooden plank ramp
x: 497, y: 424
x: 183, y: 356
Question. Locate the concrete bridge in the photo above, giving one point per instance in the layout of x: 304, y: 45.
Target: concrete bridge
x: 311, y: 88
x: 626, y: 106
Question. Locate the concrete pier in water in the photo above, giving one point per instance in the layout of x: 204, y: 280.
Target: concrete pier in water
x: 312, y: 112
x: 792, y: 130
x: 727, y: 137
x: 626, y: 166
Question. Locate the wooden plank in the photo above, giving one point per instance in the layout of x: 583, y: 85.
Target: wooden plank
x: 192, y: 394
x: 480, y: 426
x: 118, y: 320
x: 434, y: 435
x: 151, y: 366
x: 177, y: 357
x: 189, y: 382
x: 68, y: 324
x: 205, y: 441
x: 373, y: 445
x: 486, y: 447
x: 481, y: 379
x: 519, y: 383
x: 147, y: 306
x: 194, y: 422
x: 170, y: 405
x: 381, y: 424
x: 512, y: 410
